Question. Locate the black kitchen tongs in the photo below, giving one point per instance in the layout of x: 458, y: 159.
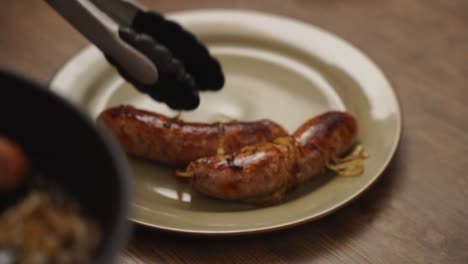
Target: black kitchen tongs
x: 156, y: 55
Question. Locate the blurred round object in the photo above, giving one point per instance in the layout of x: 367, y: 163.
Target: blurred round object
x: 13, y: 165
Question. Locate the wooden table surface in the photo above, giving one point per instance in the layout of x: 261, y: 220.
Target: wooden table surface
x: 415, y: 213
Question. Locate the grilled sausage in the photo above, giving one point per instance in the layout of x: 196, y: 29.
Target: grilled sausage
x: 174, y: 142
x: 262, y: 173
x: 13, y: 165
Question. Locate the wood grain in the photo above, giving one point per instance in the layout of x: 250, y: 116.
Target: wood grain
x: 416, y: 213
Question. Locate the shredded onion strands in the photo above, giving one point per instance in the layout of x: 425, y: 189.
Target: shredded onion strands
x: 184, y: 174
x: 350, y: 165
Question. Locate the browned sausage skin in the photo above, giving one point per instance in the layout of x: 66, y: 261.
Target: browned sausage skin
x: 262, y: 173
x: 175, y: 142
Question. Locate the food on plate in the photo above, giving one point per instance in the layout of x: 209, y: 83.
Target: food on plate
x: 262, y: 173
x: 175, y: 142
x: 13, y: 165
x: 39, y: 223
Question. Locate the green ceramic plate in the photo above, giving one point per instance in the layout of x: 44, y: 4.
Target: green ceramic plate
x: 275, y: 68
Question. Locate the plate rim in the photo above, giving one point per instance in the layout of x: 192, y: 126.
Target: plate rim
x: 56, y: 86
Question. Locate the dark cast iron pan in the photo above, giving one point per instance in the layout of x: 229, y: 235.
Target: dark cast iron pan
x: 68, y: 150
